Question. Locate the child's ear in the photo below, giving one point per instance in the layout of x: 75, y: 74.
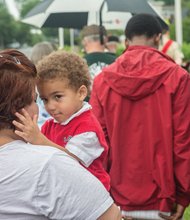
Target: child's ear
x: 82, y: 91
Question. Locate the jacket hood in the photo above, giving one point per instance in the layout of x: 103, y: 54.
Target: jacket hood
x: 139, y: 72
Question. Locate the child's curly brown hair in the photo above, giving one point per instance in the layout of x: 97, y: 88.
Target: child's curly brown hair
x: 64, y: 65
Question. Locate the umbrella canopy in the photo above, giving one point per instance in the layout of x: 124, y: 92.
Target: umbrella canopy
x: 76, y: 14
x: 134, y: 7
x: 62, y: 13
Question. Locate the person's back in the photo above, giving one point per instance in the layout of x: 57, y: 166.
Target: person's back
x: 142, y: 103
x: 97, y: 61
x: 22, y: 194
x: 31, y: 188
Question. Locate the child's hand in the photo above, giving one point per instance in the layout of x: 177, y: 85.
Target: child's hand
x: 28, y: 130
x: 27, y: 127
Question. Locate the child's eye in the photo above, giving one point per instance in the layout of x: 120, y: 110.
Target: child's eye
x: 44, y: 100
x: 57, y: 97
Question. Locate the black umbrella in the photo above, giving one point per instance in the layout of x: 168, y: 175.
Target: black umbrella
x: 76, y: 13
x: 134, y: 7
x: 43, y: 16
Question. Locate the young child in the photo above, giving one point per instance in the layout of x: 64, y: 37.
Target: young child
x: 63, y: 83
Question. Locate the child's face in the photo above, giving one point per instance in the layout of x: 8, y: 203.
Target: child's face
x: 60, y: 100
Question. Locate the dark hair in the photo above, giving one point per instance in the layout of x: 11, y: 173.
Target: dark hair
x: 113, y: 38
x: 17, y: 83
x: 142, y: 24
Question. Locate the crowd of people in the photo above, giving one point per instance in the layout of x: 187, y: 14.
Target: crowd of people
x: 98, y: 137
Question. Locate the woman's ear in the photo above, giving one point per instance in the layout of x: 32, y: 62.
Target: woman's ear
x: 83, y: 92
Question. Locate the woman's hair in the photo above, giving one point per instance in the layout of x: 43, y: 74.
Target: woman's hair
x: 41, y: 50
x: 64, y: 65
x: 17, y: 84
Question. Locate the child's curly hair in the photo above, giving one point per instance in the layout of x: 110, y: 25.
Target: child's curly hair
x: 64, y: 65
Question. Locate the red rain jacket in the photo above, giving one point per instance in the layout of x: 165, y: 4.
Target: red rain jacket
x: 143, y: 104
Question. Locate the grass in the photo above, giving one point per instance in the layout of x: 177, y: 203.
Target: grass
x: 187, y: 214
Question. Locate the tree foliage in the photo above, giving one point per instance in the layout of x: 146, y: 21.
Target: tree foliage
x: 12, y: 31
x: 7, y: 34
x: 47, y: 33
x: 167, y: 2
x: 26, y: 6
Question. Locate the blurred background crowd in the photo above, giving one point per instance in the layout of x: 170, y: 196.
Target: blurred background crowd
x: 14, y: 33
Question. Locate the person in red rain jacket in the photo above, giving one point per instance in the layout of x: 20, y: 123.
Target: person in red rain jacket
x: 142, y: 101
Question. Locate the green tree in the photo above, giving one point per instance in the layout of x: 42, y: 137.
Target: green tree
x: 30, y: 38
x: 26, y: 6
x: 49, y: 34
x: 7, y: 27
x: 167, y: 2
x: 186, y: 30
x: 12, y: 31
